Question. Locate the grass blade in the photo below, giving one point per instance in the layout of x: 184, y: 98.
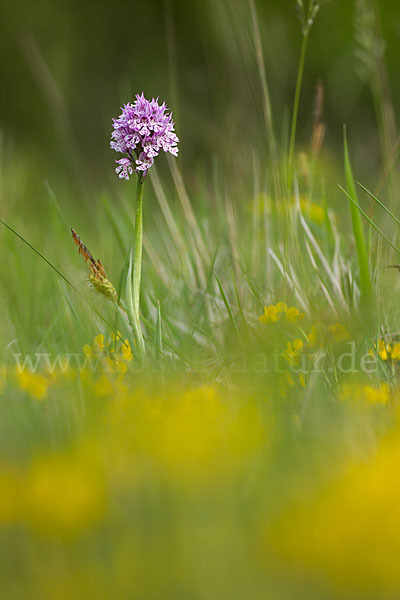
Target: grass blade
x: 380, y: 203
x: 370, y: 221
x: 228, y: 307
x: 98, y: 313
x: 358, y: 232
x: 158, y: 333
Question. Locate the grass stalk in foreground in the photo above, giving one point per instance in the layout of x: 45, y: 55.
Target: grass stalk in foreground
x: 266, y: 96
x: 358, y: 232
x: 296, y: 108
x: 306, y: 19
x: 370, y: 221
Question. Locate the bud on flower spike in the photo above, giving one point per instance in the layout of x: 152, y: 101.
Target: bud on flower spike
x: 98, y: 277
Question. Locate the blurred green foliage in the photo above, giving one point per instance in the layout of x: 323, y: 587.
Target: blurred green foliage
x: 68, y: 65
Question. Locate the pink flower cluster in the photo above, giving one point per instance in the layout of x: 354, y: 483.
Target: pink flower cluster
x: 141, y: 131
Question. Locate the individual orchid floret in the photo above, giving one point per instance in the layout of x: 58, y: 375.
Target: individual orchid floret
x: 124, y: 168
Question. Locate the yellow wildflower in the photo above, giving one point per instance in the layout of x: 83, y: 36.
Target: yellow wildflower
x: 356, y: 392
x: 293, y: 315
x: 292, y: 351
x: 286, y: 382
x: 348, y: 532
x: 87, y: 351
x: 313, y: 211
x: 395, y: 353
x: 312, y: 336
x: 98, y: 343
x: 126, y: 351
x: 270, y: 315
x: 302, y: 380
x: 298, y: 345
x: 281, y: 307
x: 273, y: 313
x: 191, y: 437
x: 387, y: 351
x: 63, y: 496
x: 339, y: 332
x: 108, y: 385
x: 384, y: 350
x: 112, y: 360
x: 36, y: 384
x: 377, y: 395
x: 262, y: 204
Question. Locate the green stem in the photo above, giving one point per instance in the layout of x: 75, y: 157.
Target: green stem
x: 137, y: 266
x: 296, y: 108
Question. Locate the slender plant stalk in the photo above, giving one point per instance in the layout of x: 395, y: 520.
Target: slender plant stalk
x: 291, y: 149
x: 292, y: 142
x: 358, y: 232
x: 267, y: 101
x: 300, y: 72
x: 137, y: 266
x: 370, y: 221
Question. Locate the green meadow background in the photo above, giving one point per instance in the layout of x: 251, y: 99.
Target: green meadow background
x: 254, y: 453
x: 67, y: 66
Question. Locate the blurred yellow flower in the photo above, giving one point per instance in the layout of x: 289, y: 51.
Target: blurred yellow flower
x: 348, y: 531
x: 313, y: 211
x: 109, y: 385
x: 292, y: 351
x: 35, y: 384
x: 298, y: 345
x: 286, y: 382
x: 293, y: 315
x: 191, y: 438
x: 312, y: 336
x: 126, y: 351
x: 270, y: 315
x: 63, y: 495
x: 356, y: 392
x: 112, y: 357
x: 383, y: 348
x: 87, y: 351
x: 56, y: 495
x: 377, y: 395
x: 263, y: 204
x: 273, y: 313
x: 339, y: 332
x: 98, y: 343
x: 387, y: 350
x: 281, y: 307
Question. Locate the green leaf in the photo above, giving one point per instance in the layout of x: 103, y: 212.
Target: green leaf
x: 370, y: 221
x: 358, y: 232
